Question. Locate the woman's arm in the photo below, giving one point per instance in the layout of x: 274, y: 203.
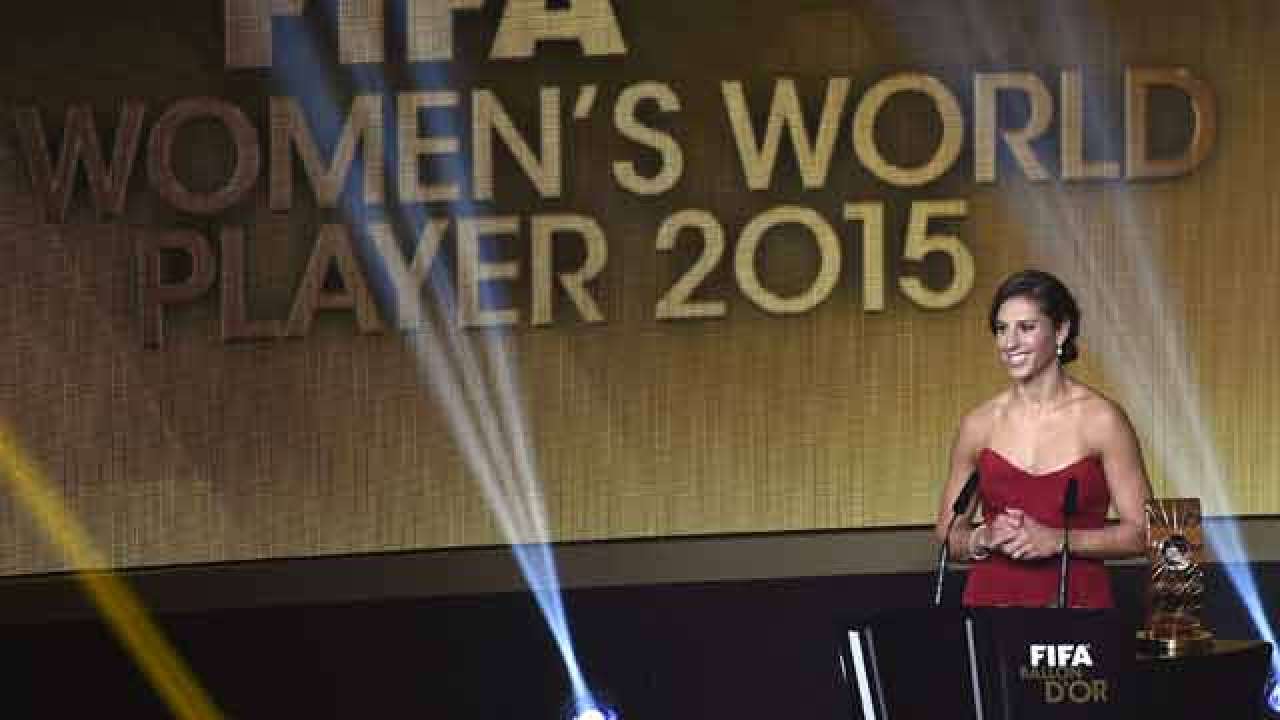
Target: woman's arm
x: 964, y: 460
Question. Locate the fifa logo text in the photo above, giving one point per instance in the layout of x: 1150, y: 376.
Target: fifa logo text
x: 1060, y: 656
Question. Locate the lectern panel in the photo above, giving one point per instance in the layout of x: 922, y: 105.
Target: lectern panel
x: 910, y: 663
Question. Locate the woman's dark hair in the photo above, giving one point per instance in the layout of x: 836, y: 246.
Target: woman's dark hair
x: 1053, y: 298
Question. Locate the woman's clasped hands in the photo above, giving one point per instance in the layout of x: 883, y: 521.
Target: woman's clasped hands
x: 1016, y: 534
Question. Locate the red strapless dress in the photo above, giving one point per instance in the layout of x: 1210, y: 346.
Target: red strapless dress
x: 999, y: 580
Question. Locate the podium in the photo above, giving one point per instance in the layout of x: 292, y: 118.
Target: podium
x: 991, y: 664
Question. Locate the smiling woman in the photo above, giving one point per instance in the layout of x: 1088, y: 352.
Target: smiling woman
x: 1028, y: 443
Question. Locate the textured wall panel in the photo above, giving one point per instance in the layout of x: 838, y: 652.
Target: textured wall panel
x: 832, y: 418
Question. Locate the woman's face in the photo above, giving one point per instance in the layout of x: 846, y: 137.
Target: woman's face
x: 1026, y: 338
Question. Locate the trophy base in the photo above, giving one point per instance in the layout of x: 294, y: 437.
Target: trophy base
x: 1196, y: 642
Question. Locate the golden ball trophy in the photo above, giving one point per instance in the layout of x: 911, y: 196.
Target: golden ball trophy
x: 1175, y: 546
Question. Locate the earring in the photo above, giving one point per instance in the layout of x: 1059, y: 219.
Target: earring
x: 1059, y: 351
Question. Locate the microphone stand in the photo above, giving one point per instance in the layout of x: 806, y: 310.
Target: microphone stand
x: 958, y: 508
x: 943, y: 552
x: 1068, y: 509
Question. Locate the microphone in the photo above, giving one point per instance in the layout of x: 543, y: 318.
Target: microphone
x: 966, y: 494
x: 958, y: 508
x: 1070, y: 499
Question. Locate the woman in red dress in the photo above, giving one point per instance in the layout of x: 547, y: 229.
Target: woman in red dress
x: 1026, y: 443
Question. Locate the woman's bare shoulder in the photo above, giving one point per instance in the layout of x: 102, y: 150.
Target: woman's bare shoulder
x: 1100, y: 414
x: 977, y: 424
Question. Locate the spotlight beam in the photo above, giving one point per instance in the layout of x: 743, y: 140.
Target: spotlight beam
x: 482, y: 408
x: 115, y: 601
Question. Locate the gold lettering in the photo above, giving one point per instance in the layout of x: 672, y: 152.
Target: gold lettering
x: 1137, y: 82
x: 289, y: 129
x: 948, y: 110
x: 1074, y: 166
x: 247, y: 25
x: 160, y: 155
x: 871, y: 216
x: 1054, y: 692
x: 1079, y: 691
x: 574, y: 283
x: 236, y: 324
x: 53, y: 188
x: 489, y: 118
x: 525, y: 23
x: 360, y: 31
x: 333, y: 249
x: 828, y: 250
x: 676, y: 302
x: 155, y: 291
x: 431, y: 28
x: 671, y: 164
x: 986, y: 87
x: 920, y: 243
x: 758, y: 160
x: 413, y: 146
x: 408, y: 281
x: 472, y: 271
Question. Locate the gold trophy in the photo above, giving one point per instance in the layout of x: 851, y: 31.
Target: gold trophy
x: 1175, y: 542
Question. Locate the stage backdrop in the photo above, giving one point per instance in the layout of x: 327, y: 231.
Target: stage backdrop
x: 263, y: 261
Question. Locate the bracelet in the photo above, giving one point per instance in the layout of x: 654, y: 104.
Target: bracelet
x: 978, y: 551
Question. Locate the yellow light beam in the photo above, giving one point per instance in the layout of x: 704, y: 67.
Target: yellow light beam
x: 115, y: 600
